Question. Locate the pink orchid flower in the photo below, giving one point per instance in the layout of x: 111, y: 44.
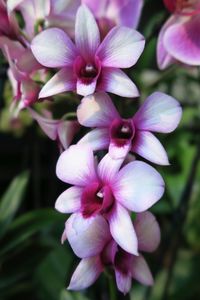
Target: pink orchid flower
x: 179, y: 38
x: 22, y: 66
x: 110, y: 13
x: 125, y: 265
x: 57, y: 130
x: 39, y: 14
x: 107, y: 191
x: 159, y: 113
x: 88, y: 65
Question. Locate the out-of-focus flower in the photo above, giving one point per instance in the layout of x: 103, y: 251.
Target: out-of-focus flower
x: 40, y: 14
x: 8, y: 23
x: 159, y: 113
x: 89, y: 65
x: 125, y: 265
x: 179, y: 39
x: 57, y: 130
x: 110, y: 13
x: 106, y: 190
x: 22, y: 66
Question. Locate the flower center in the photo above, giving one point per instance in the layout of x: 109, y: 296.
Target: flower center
x: 96, y: 199
x: 183, y: 7
x: 89, y: 71
x: 123, y: 261
x: 122, y: 131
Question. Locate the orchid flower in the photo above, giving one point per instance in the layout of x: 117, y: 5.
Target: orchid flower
x: 179, y: 39
x: 108, y: 191
x: 57, y: 130
x: 25, y: 90
x: 110, y: 13
x: 88, y: 65
x: 39, y: 13
x: 159, y: 113
x: 125, y: 265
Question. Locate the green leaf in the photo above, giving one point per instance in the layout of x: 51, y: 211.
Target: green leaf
x: 27, y: 225
x: 11, y: 201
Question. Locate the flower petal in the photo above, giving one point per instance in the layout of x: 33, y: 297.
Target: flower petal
x: 97, y: 139
x: 86, y: 33
x: 70, y: 200
x: 96, y: 111
x: 108, y: 168
x: 67, y: 131
x: 123, y: 282
x: 122, y: 230
x: 62, y: 81
x: 48, y: 126
x: 85, y: 89
x: 117, y: 82
x: 76, y: 165
x: 117, y: 152
x: 182, y: 41
x: 141, y: 271
x: 149, y: 147
x: 86, y: 273
x: 113, y: 53
x: 159, y: 113
x: 138, y: 186
x: 148, y: 231
x: 164, y: 59
x: 53, y: 48
x: 87, y: 237
x: 129, y: 12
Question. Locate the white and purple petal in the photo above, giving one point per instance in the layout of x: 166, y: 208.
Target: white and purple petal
x: 141, y: 271
x: 53, y: 48
x: 77, y: 166
x: 148, y: 231
x: 115, y: 81
x: 159, y: 113
x: 113, y: 53
x: 70, y: 200
x: 87, y: 236
x: 62, y: 81
x: 87, y: 34
x: 182, y: 41
x: 122, y: 230
x: 138, y: 186
x: 148, y: 146
x: 86, y: 273
x: 97, y: 139
x: 97, y: 110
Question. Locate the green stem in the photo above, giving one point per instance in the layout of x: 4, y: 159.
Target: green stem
x: 112, y: 289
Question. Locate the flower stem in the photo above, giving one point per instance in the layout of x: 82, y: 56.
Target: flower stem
x: 112, y: 289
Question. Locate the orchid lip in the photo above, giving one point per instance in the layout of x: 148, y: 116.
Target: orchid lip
x: 122, y: 131
x: 96, y: 198
x: 87, y: 71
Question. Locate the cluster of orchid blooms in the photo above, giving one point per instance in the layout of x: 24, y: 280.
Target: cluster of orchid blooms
x: 88, y: 43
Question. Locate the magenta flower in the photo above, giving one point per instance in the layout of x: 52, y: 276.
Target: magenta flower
x: 107, y: 191
x: 57, y: 130
x: 179, y: 39
x: 110, y: 13
x: 125, y: 265
x: 22, y: 65
x: 88, y: 65
x: 159, y: 113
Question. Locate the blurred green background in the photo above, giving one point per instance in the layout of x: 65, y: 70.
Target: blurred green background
x: 33, y: 263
